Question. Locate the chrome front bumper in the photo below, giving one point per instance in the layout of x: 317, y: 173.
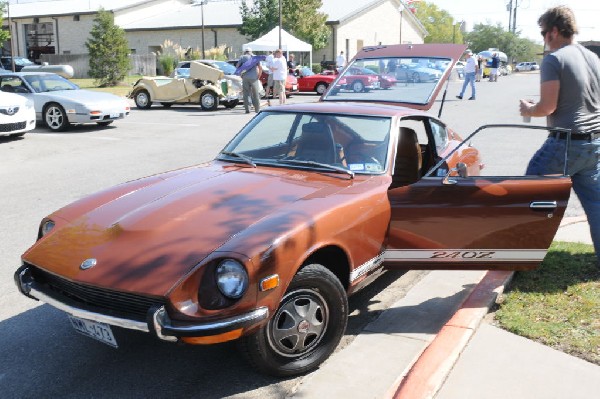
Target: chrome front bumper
x: 158, y: 321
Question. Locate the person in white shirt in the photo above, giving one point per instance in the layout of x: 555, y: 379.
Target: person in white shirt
x: 470, y: 71
x: 340, y: 61
x: 279, y: 71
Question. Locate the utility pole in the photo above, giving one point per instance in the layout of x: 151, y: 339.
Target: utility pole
x: 280, y: 27
x: 514, y: 28
x: 509, y: 8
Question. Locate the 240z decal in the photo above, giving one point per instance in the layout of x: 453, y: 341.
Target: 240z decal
x: 464, y: 254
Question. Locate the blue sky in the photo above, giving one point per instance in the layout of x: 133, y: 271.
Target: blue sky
x: 587, y: 14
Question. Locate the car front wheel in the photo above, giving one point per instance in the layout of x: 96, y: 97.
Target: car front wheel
x: 358, y: 86
x: 55, y: 117
x: 320, y: 88
x: 142, y: 99
x: 209, y: 101
x: 307, y: 326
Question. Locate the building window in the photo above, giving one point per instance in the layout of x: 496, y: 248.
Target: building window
x: 39, y: 39
x: 75, y: 17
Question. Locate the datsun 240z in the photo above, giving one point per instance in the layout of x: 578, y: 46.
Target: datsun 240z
x: 306, y: 205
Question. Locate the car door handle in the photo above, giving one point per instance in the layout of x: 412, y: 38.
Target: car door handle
x: 543, y: 205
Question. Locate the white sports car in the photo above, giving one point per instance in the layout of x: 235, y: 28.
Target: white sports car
x: 60, y: 103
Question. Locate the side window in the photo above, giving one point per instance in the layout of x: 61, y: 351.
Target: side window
x: 440, y: 136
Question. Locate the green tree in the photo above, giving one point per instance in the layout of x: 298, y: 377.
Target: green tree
x: 108, y: 49
x: 440, y: 25
x: 484, y: 37
x: 299, y: 17
x: 4, y: 34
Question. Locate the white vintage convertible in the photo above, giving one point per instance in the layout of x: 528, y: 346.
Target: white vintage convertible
x: 206, y: 86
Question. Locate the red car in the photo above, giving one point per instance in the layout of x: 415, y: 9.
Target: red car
x: 309, y: 81
x: 291, y: 83
x: 361, y: 79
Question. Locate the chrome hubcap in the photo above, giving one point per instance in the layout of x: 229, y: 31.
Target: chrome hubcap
x: 54, y: 117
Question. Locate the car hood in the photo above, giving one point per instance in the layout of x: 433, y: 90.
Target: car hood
x: 88, y: 97
x: 146, y: 235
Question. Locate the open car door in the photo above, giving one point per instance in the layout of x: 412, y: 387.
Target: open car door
x: 474, y: 222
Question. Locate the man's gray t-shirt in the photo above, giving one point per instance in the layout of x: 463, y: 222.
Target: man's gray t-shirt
x: 578, y: 71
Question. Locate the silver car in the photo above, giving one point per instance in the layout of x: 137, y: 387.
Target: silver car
x: 60, y: 103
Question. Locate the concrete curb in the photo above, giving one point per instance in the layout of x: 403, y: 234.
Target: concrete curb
x: 429, y: 372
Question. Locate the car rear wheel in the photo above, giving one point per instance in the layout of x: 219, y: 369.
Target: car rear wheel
x: 416, y: 77
x: 307, y: 326
x: 358, y: 86
x: 209, y: 101
x: 320, y: 88
x: 55, y: 117
x: 104, y: 123
x: 142, y: 99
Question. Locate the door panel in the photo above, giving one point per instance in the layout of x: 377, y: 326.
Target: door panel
x: 478, y: 223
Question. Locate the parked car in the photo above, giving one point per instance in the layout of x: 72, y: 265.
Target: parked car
x: 306, y: 205
x: 17, y: 115
x: 309, y: 81
x: 20, y: 62
x: 206, y: 86
x: 360, y: 79
x: 59, y: 103
x: 527, y: 66
x: 291, y: 82
x: 414, y: 72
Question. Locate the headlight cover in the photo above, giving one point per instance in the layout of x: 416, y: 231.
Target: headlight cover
x: 46, y: 227
x: 232, y: 278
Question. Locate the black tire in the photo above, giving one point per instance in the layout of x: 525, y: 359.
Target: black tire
x: 293, y: 343
x: 320, y: 88
x: 357, y: 86
x: 167, y: 105
x: 231, y: 104
x: 209, y: 101
x: 416, y: 77
x: 142, y: 99
x: 104, y: 123
x: 55, y: 117
x: 17, y: 135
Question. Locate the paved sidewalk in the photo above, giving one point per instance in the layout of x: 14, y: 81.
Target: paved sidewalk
x: 433, y: 344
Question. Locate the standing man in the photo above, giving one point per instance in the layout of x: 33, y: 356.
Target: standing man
x: 250, y: 82
x: 470, y: 71
x: 494, y: 67
x: 279, y: 68
x: 291, y: 65
x: 479, y: 68
x: 570, y: 99
x: 340, y: 62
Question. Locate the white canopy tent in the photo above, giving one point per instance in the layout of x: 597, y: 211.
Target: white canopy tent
x: 289, y: 43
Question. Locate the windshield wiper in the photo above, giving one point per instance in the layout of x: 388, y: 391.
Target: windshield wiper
x: 244, y: 158
x: 317, y: 164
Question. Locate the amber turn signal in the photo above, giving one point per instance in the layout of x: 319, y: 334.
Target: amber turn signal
x: 268, y: 283
x: 213, y: 339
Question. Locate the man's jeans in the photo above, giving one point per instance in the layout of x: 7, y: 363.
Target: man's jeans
x: 469, y: 78
x: 584, y: 169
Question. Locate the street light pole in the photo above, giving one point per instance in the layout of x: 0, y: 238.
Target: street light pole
x: 280, y: 20
x: 10, y: 30
x: 401, y: 9
x: 201, y: 3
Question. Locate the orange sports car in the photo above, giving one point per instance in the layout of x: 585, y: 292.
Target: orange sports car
x: 306, y: 205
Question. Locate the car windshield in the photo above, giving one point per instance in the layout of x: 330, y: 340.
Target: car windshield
x: 227, y: 69
x: 397, y: 79
x: 49, y: 82
x: 306, y: 72
x: 335, y: 143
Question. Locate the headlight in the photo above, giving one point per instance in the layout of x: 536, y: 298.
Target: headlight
x: 232, y: 278
x: 46, y: 227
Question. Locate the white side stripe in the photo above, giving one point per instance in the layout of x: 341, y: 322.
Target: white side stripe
x: 366, y: 267
x: 465, y: 255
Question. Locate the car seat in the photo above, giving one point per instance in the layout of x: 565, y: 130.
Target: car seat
x: 407, y: 167
x: 316, y: 144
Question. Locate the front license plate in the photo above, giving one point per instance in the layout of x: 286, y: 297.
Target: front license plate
x: 294, y: 87
x: 114, y: 115
x: 99, y: 331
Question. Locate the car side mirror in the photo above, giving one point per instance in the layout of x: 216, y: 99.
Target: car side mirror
x: 461, y: 169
